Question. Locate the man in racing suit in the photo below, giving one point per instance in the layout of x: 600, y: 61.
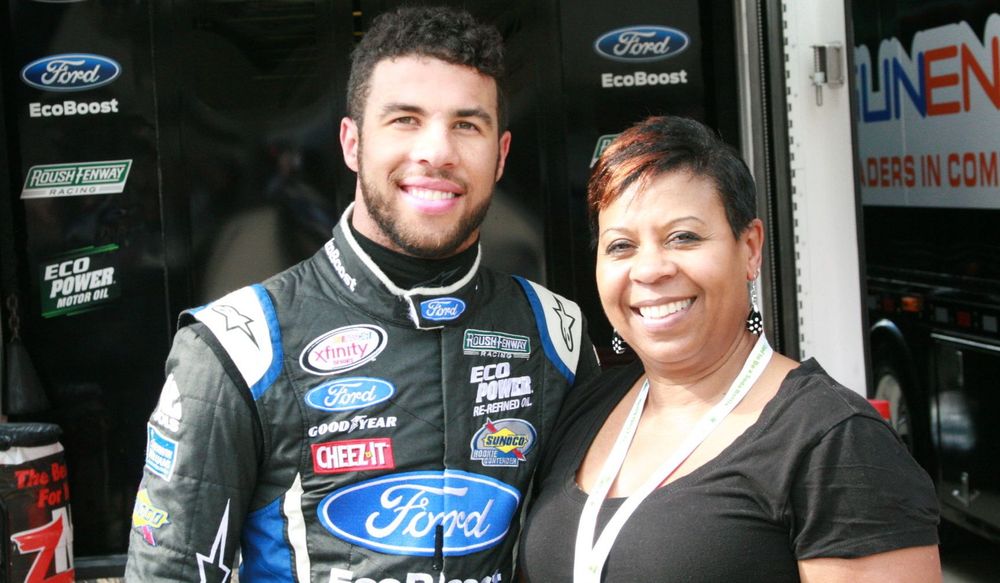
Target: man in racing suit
x: 375, y: 413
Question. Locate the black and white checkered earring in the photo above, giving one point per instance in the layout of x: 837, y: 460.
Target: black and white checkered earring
x: 755, y: 322
x: 618, y: 344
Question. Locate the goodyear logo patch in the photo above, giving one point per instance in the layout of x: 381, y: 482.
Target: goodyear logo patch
x: 496, y: 344
x: 505, y: 442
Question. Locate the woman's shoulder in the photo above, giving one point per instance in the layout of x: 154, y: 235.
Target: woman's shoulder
x: 814, y: 402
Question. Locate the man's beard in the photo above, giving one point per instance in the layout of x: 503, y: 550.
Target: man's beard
x: 422, y: 245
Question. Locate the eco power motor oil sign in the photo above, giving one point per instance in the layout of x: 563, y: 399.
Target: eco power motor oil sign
x: 79, y: 281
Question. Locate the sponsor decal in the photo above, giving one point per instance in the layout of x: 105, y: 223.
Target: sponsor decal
x: 440, y: 309
x: 642, y: 79
x: 348, y: 394
x: 350, y: 426
x: 641, y: 43
x: 69, y: 108
x: 168, y: 410
x: 343, y: 349
x: 353, y: 455
x: 212, y: 567
x: 496, y: 344
x: 602, y: 143
x: 504, y: 442
x: 78, y: 281
x: 338, y: 575
x: 161, y: 453
x: 399, y: 514
x: 52, y: 545
x: 499, y: 392
x: 76, y: 179
x: 147, y: 518
x: 333, y: 254
x: 70, y: 72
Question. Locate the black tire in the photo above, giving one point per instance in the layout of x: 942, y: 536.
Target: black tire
x: 890, y: 385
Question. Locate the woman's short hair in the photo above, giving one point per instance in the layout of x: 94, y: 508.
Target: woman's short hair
x: 663, y: 144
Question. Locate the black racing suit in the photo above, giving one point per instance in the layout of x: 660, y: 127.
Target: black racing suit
x: 336, y: 428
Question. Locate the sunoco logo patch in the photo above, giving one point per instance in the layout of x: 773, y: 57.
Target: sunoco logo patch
x: 343, y: 349
x: 76, y: 179
x: 70, y: 72
x: 641, y: 43
x: 497, y: 344
x: 79, y: 281
x: 400, y: 514
x: 505, y: 442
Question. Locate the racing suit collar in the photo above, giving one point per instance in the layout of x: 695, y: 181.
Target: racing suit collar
x: 366, y: 285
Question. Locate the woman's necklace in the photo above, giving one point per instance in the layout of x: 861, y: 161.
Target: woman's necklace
x: 590, y: 557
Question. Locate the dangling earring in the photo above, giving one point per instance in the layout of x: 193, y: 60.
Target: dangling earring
x: 755, y: 322
x: 618, y: 344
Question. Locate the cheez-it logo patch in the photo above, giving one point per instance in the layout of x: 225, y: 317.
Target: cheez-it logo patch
x: 352, y: 455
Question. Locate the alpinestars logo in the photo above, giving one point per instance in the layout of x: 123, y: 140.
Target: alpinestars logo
x: 236, y: 321
x: 566, y: 322
x: 212, y: 567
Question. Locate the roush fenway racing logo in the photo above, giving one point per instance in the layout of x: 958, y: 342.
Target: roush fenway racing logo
x: 400, y: 514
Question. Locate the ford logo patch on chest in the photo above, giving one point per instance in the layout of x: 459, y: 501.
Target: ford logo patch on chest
x: 399, y: 514
x: 641, y: 43
x: 440, y: 309
x: 348, y: 394
x: 70, y: 72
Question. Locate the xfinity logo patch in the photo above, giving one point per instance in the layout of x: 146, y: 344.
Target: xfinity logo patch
x: 504, y: 442
x: 70, y: 72
x: 348, y: 394
x: 343, y: 349
x: 442, y: 309
x: 399, y: 514
x: 76, y: 179
x: 641, y: 43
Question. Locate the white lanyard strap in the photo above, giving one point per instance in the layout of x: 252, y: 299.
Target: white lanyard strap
x: 590, y: 558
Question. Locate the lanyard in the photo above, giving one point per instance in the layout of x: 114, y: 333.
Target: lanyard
x: 590, y: 558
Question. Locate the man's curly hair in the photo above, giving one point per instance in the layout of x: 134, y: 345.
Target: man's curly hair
x: 451, y: 35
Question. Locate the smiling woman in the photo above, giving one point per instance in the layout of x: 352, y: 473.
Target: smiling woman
x: 712, y: 458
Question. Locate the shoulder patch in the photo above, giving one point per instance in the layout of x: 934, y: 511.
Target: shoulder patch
x: 245, y: 324
x: 560, y: 324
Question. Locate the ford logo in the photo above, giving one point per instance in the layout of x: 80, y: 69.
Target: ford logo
x: 343, y: 349
x: 399, y: 514
x: 349, y: 394
x: 641, y: 43
x: 70, y: 72
x: 442, y: 308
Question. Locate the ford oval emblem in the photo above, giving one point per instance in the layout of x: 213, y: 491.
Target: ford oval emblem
x: 641, y: 43
x: 442, y: 308
x: 343, y: 349
x: 347, y: 394
x: 399, y: 514
x: 70, y: 72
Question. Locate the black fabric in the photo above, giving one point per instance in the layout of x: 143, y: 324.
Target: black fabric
x: 818, y: 475
x: 410, y: 272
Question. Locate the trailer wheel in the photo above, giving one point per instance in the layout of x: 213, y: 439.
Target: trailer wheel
x: 889, y: 386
